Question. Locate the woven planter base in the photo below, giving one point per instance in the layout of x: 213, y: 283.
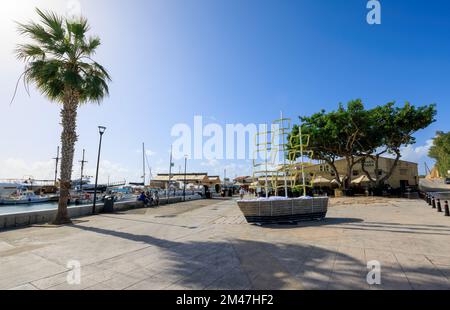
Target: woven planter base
x: 289, y: 210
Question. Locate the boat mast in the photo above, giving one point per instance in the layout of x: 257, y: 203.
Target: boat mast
x: 82, y: 170
x: 170, y: 172
x: 56, y: 166
x: 150, y: 175
x: 143, y: 162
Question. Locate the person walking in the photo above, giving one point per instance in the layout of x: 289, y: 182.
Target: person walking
x: 156, y: 198
x: 242, y: 193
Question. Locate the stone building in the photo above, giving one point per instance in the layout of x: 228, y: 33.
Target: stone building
x: 212, y: 183
x: 406, y: 174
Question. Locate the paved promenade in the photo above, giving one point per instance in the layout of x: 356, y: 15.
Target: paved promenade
x: 207, y: 245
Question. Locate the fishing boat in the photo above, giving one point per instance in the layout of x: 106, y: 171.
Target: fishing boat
x: 9, y: 188
x: 24, y: 197
x: 281, y: 177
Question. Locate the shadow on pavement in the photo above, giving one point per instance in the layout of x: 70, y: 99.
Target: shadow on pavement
x: 326, y: 222
x: 250, y: 264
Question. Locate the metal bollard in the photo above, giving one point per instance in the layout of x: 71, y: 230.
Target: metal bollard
x: 434, y: 203
x: 439, y: 207
x: 447, y: 211
x: 429, y: 200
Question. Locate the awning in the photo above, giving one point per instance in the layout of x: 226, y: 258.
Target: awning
x: 320, y: 181
x: 342, y: 179
x: 361, y: 180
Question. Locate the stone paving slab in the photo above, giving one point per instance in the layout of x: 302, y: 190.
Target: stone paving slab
x: 207, y: 244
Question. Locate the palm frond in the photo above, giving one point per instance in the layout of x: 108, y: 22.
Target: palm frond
x: 59, y: 59
x: 36, y: 32
x: 78, y: 28
x: 28, y: 52
x: 54, y: 24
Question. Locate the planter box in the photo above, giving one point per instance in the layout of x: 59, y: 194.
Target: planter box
x: 286, y: 210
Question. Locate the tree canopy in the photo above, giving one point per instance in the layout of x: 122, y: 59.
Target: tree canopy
x: 355, y: 134
x: 440, y: 151
x: 59, y: 59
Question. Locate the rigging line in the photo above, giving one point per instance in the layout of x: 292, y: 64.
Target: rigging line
x: 148, y: 165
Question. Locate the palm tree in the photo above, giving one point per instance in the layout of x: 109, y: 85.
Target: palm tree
x: 58, y: 62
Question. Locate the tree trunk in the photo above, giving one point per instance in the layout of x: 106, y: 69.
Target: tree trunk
x: 68, y: 140
x: 337, y: 176
x: 363, y: 165
x: 393, y: 167
x: 350, y: 165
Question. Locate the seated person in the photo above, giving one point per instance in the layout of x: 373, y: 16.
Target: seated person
x: 142, y: 197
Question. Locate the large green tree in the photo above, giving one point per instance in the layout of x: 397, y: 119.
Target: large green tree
x: 58, y: 61
x: 356, y: 134
x: 440, y: 151
x: 336, y: 135
x: 392, y: 127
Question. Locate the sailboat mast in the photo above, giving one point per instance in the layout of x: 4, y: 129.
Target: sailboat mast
x: 56, y: 166
x: 143, y: 162
x: 82, y: 170
x: 170, y: 172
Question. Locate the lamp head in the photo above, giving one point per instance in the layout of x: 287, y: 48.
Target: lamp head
x: 101, y: 129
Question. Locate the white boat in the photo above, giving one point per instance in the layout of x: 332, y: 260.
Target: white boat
x: 23, y: 197
x: 9, y: 188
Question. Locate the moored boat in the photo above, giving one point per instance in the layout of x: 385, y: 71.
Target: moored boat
x: 22, y: 198
x: 9, y: 188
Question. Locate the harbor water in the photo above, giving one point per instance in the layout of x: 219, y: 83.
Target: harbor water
x: 29, y: 208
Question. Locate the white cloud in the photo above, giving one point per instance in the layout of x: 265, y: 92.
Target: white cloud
x: 15, y: 168
x: 417, y: 154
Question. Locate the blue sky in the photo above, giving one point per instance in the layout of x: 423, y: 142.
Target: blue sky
x: 231, y: 61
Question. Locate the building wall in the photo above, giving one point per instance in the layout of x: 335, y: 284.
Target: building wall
x: 405, y: 172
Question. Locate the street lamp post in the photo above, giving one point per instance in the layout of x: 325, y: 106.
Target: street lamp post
x: 185, y: 167
x: 101, y: 131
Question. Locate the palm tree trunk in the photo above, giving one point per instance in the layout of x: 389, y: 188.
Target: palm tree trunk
x: 68, y: 140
